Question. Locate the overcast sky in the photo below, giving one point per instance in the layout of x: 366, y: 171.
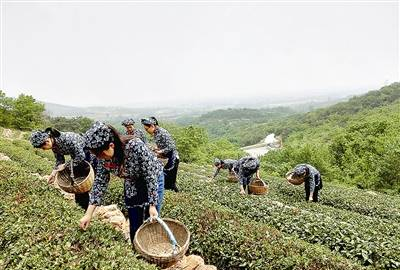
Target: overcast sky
x: 164, y: 54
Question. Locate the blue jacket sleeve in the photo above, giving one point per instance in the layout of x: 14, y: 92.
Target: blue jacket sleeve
x: 100, y: 184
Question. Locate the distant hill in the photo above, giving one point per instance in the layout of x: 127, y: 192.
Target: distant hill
x: 339, y: 113
x: 55, y: 110
x: 230, y: 122
x: 188, y: 113
x: 116, y: 114
x: 249, y: 126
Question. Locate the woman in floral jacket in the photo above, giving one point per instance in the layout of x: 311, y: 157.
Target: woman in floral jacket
x: 312, y: 180
x: 131, y: 130
x: 129, y: 158
x: 226, y: 164
x: 166, y: 148
x: 65, y: 143
x: 244, y: 169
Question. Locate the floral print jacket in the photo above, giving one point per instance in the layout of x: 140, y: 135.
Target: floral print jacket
x: 312, y: 178
x: 245, y: 168
x: 140, y: 170
x: 165, y: 142
x: 138, y: 134
x: 69, y: 143
x: 228, y: 164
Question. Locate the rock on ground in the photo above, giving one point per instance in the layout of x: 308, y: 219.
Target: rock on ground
x: 191, y: 262
x: 4, y: 157
x: 7, y: 133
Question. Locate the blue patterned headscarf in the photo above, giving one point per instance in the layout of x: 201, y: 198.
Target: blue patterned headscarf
x: 217, y: 161
x: 98, y: 135
x: 128, y: 122
x: 38, y: 138
x: 300, y: 170
x: 149, y: 121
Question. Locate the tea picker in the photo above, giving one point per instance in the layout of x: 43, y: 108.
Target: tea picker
x: 310, y: 176
x: 244, y: 169
x: 166, y: 149
x: 226, y: 164
x: 73, y: 144
x: 129, y: 125
x: 129, y: 158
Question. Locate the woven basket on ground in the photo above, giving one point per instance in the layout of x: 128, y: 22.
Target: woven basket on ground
x: 232, y: 178
x: 258, y: 187
x: 81, y: 182
x: 295, y: 180
x: 153, y: 242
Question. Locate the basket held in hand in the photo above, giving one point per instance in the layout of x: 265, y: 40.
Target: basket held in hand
x: 232, y: 177
x: 258, y: 187
x: 76, y: 180
x: 294, y: 180
x: 163, y: 242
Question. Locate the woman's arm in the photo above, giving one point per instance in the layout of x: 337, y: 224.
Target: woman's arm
x: 60, y: 159
x: 99, y: 188
x: 78, y: 154
x: 85, y: 220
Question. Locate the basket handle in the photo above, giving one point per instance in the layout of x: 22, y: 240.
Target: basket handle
x: 174, y: 243
x: 72, y: 173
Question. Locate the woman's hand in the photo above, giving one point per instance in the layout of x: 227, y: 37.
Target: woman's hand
x: 159, y: 153
x: 153, y: 212
x: 62, y: 166
x: 51, y: 178
x: 85, y: 222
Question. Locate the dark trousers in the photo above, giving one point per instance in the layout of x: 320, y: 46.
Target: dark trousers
x: 137, y: 215
x: 82, y: 199
x: 246, y: 179
x: 315, y: 194
x: 170, y: 175
x: 160, y: 193
x: 138, y: 208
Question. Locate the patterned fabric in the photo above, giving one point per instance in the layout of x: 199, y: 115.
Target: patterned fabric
x: 227, y: 164
x: 69, y: 143
x: 98, y: 135
x: 312, y: 176
x: 138, y: 134
x: 149, y: 121
x: 141, y: 170
x: 245, y: 167
x: 38, y: 137
x: 164, y: 141
x: 217, y: 161
x: 128, y: 122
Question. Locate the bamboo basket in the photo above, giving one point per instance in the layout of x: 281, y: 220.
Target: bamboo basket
x: 163, y: 242
x: 232, y: 178
x: 295, y: 180
x: 80, y: 181
x: 258, y: 187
